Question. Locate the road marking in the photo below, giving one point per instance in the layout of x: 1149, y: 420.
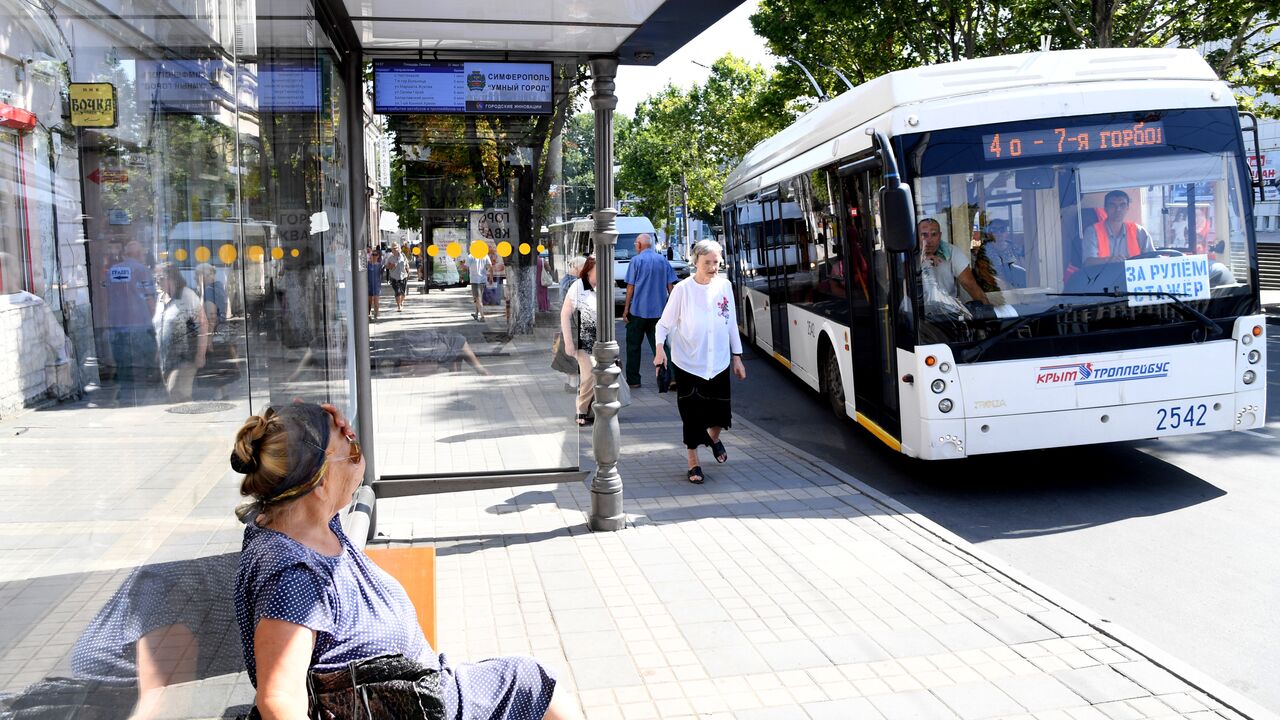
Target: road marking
x: 1259, y: 433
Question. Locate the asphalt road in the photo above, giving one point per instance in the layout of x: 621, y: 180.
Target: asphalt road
x: 1176, y: 540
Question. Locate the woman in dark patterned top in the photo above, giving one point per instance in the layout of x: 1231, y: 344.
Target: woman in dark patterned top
x: 306, y: 599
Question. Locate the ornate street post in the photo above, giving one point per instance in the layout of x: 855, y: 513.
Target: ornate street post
x: 606, y: 486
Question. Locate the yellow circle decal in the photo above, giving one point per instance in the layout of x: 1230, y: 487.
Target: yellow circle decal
x: 417, y: 250
x: 454, y: 250
x: 504, y: 248
x: 479, y: 249
x: 256, y: 253
x: 203, y: 254
x: 227, y: 254
x: 277, y: 253
x: 433, y: 251
x: 179, y: 254
x: 293, y: 252
x: 542, y: 248
x: 524, y: 248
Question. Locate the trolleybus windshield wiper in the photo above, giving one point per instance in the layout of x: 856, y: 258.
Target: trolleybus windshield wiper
x: 1211, y: 328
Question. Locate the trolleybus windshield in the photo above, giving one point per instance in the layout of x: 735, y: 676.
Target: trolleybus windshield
x: 1066, y: 214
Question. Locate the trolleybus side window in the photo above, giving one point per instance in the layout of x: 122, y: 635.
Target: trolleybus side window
x: 824, y: 234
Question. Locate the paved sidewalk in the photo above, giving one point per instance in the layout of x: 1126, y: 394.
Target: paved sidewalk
x: 775, y: 590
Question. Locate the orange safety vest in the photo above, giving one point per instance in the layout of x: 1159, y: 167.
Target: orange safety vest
x: 1104, y: 239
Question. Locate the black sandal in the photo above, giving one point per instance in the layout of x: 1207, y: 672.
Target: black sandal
x: 696, y: 471
x: 717, y: 449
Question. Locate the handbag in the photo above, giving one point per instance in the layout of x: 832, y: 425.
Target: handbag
x: 561, y: 361
x: 386, y: 686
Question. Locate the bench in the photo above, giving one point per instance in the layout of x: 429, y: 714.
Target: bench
x: 414, y: 567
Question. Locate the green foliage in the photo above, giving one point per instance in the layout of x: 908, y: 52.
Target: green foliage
x: 579, y: 165
x: 868, y: 38
x: 697, y: 136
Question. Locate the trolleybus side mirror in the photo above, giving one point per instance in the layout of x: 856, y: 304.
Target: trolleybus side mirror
x: 897, y: 212
x: 899, y: 219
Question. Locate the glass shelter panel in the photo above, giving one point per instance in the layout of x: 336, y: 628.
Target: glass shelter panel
x: 164, y: 272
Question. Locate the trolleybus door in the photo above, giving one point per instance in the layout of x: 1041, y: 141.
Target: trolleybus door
x: 875, y: 387
x: 777, y: 272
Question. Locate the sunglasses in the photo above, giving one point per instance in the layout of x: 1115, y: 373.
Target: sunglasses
x: 352, y: 457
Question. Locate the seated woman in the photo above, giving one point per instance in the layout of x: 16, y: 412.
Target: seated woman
x: 307, y: 600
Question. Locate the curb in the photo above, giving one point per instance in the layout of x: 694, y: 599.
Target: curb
x: 1228, y: 697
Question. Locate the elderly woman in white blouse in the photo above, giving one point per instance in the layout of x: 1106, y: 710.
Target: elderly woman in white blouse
x: 701, y: 323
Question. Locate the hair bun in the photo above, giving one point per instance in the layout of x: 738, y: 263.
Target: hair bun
x: 242, y: 465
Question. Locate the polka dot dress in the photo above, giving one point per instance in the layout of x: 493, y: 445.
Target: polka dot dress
x: 359, y: 611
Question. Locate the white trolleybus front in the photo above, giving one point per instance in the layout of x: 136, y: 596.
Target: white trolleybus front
x: 1011, y: 253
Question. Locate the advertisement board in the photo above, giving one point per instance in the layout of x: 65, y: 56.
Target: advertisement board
x: 482, y: 88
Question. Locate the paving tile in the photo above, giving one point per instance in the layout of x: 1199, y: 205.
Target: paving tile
x: 914, y: 705
x: 907, y: 643
x: 1039, y: 692
x: 975, y: 701
x: 1015, y: 629
x: 792, y: 655
x: 846, y: 709
x: 778, y: 712
x: 848, y: 649
x: 963, y: 636
x: 1100, y: 684
x: 604, y: 672
x: 731, y: 661
x: 1155, y: 679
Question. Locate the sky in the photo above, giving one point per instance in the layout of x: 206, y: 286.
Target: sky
x: 732, y: 34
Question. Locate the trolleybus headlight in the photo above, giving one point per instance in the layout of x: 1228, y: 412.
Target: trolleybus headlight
x: 1254, y: 357
x: 931, y: 361
x: 938, y: 385
x: 944, y: 405
x: 945, y: 367
x: 1249, y: 377
x: 1246, y: 339
x: 1257, y: 331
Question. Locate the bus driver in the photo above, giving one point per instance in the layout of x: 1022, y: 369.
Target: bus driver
x: 1113, y: 239
x: 942, y: 266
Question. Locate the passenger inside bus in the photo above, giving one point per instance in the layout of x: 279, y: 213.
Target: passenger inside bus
x: 942, y: 268
x: 997, y: 260
x: 1112, y: 238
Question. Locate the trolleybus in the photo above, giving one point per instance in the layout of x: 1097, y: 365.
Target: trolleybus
x: 1095, y: 279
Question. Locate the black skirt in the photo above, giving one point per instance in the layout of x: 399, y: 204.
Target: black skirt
x: 703, y: 404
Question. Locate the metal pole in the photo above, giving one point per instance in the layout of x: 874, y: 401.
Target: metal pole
x: 685, y: 250
x: 358, y: 183
x: 606, y: 485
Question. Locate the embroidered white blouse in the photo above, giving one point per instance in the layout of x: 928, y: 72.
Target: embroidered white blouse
x: 702, y: 323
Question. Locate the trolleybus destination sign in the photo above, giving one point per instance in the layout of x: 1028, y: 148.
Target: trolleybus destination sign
x: 490, y: 88
x: 1066, y: 140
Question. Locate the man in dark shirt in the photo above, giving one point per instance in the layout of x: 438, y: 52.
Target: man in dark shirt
x: 131, y: 305
x: 649, y: 281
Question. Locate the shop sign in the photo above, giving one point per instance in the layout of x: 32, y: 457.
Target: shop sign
x: 493, y: 227
x: 112, y: 177
x: 93, y: 105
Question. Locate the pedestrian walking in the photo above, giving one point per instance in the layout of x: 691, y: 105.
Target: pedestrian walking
x: 700, y: 320
x: 398, y: 272
x: 479, y: 271
x: 578, y: 326
x: 131, y: 305
x: 649, y: 281
x: 375, y: 282
x: 182, y: 333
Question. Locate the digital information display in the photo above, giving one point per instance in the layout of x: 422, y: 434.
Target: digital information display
x: 498, y: 88
x: 1068, y: 140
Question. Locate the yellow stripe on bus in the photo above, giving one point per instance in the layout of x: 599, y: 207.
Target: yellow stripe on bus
x: 878, y: 431
x: 785, y: 362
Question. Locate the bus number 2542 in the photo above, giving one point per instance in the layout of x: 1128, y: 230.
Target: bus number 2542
x: 1175, y: 417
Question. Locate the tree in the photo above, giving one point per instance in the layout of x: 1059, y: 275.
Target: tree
x: 697, y: 136
x: 867, y: 38
x: 579, y: 181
